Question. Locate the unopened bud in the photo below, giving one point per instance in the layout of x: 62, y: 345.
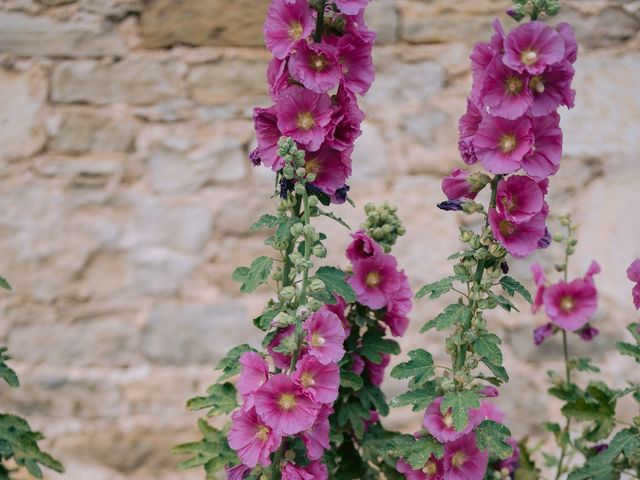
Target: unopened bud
x: 316, y: 285
x: 296, y: 230
x: 287, y: 294
x: 299, y: 189
x: 313, y: 201
x: 303, y: 312
x: 311, y: 177
x: 288, y: 172
x: 282, y: 320
x: 315, y: 304
x: 319, y: 251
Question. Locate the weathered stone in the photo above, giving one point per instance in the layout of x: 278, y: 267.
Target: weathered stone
x: 186, y: 334
x: 140, y: 82
x: 36, y: 36
x: 22, y: 96
x: 203, y: 22
x: 159, y: 270
x: 229, y: 81
x: 82, y: 131
x: 606, y: 27
x: 55, y: 3
x: 115, y: 9
x: 382, y: 18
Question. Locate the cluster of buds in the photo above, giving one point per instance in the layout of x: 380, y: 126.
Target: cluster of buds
x: 383, y: 224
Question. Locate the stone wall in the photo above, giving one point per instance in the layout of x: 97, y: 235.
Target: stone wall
x: 126, y: 198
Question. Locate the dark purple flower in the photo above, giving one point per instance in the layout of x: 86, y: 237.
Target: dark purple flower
x: 540, y: 334
x: 451, y: 205
x: 588, y: 333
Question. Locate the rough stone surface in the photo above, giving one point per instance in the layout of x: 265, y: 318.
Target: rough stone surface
x: 126, y: 200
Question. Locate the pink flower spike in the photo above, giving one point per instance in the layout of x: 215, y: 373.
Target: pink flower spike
x: 267, y: 135
x: 315, y: 65
x: 467, y: 128
x: 316, y: 439
x: 501, y: 144
x: 506, y: 92
x: 636, y: 297
x: 633, y: 272
x: 362, y: 246
x: 253, y: 374
x: 433, y: 470
x: 521, y: 239
x: 398, y: 308
x: 539, y: 279
x: 277, y: 76
x: 304, y: 116
x: 325, y: 336
x: 532, y: 47
x: 284, y: 407
x: 544, y: 159
x: 487, y: 411
x: 318, y: 470
x: 288, y: 21
x: 441, y: 425
x: 252, y: 439
x: 332, y: 168
x: 375, y: 280
x: 320, y: 381
x: 593, y: 270
x: 571, y: 305
x: 351, y: 7
x: 463, y: 460
x: 490, y: 391
x: 519, y: 198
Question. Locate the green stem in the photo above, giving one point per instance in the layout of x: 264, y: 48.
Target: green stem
x: 286, y: 268
x: 319, y: 23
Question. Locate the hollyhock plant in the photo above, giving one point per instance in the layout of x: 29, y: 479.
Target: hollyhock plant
x: 315, y: 66
x: 254, y: 372
x: 354, y: 54
x: 463, y: 460
x: 467, y: 128
x: 288, y: 21
x: 277, y: 76
x: 398, y: 308
x: 506, y: 92
x: 376, y: 370
x: 325, y: 336
x: 320, y: 381
x: 519, y: 199
x: 633, y: 273
x: 532, y: 47
x: 544, y: 159
x: 346, y: 121
x: 501, y: 144
x: 459, y: 185
x: 552, y: 89
x: 520, y: 239
x: 252, y: 438
x: 281, y: 360
x: 362, y: 247
x: 375, y: 279
x: 293, y: 472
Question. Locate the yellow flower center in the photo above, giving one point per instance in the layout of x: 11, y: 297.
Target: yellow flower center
x: 567, y: 304
x: 287, y: 401
x: 317, y: 340
x: 373, y: 279
x: 447, y: 419
x: 506, y: 228
x: 508, y: 204
x: 513, y: 85
x: 295, y: 30
x: 459, y: 459
x: 430, y: 468
x: 508, y: 143
x: 536, y: 84
x: 312, y: 165
x: 305, y: 120
x: 318, y: 63
x: 263, y: 433
x: 307, y: 380
x: 529, y: 57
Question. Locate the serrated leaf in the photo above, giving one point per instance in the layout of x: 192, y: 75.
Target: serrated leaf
x: 512, y: 286
x: 221, y: 399
x: 504, y: 302
x: 5, y: 284
x: 374, y: 345
x: 335, y: 283
x: 629, y: 349
x: 420, y: 398
x: 372, y: 398
x: 420, y: 367
x: 6, y: 372
x: 452, y: 315
x: 594, y: 471
x: 415, y: 451
x: 265, y: 221
x: 230, y: 364
x: 487, y: 346
x: 583, y: 364
x: 493, y: 436
x: 460, y: 403
x: 355, y: 414
x: 626, y: 441
x: 436, y: 289
x: 498, y: 370
x: 253, y: 276
x: 351, y: 380
x: 212, y: 452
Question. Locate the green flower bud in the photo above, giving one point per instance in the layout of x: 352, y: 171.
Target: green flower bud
x: 475, y: 242
x: 287, y: 294
x: 497, y: 250
x: 314, y: 304
x: 636, y: 421
x: 277, y: 275
x: 311, y: 177
x: 481, y: 254
x: 303, y: 312
x: 301, y: 172
x: 282, y: 320
x: 460, y: 269
x: 465, y: 235
x: 299, y: 189
x: 319, y: 251
x: 313, y: 201
x: 288, y: 172
x: 316, y: 286
x: 296, y: 229
x: 558, y: 238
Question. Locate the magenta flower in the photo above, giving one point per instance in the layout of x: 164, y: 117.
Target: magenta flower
x: 538, y: 279
x: 253, y: 374
x: 318, y: 470
x: 354, y: 54
x: 288, y: 21
x: 457, y: 185
x: 304, y: 116
x: 545, y: 156
x: 362, y: 246
x: 239, y: 472
x: 570, y: 43
x: 277, y: 76
x: 339, y: 309
x: 440, y: 425
x: 506, y: 92
x: 511, y: 463
x: 283, y: 406
x: 501, y: 144
x: 320, y: 381
x: 482, y: 56
x: 325, y: 336
x: 467, y: 128
x: 552, y: 89
x: 293, y: 472
x: 398, y: 308
x: 376, y: 370
x: 433, y: 470
x: 267, y: 135
x: 520, y: 239
x: 540, y: 334
x: 487, y: 411
x: 375, y: 280
x: 519, y: 198
x: 351, y: 7
x: 346, y: 120
x: 315, y: 65
x: 357, y: 363
x: 356, y: 25
x: 463, y: 460
x: 331, y: 167
x: 532, y: 47
x: 571, y: 305
x: 490, y: 391
x: 316, y: 439
x: 281, y: 360
x: 633, y: 274
x: 252, y: 439
x: 588, y: 333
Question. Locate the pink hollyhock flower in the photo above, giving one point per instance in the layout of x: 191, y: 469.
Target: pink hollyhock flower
x: 538, y: 279
x: 532, y: 47
x: 463, y: 460
x: 433, y: 470
x: 351, y: 7
x: 375, y: 280
x: 346, y: 121
x: 457, y: 185
x: 357, y: 363
x: 487, y: 411
x: 281, y: 360
x: 633, y: 274
x: 398, y: 308
x: 441, y: 425
x: 252, y: 439
x: 490, y: 391
x: 320, y: 381
x: 284, y: 407
x: 293, y: 472
x: 506, y: 92
x: 318, y: 470
x: 482, y: 56
x: 376, y: 370
x: 545, y: 156
x: 304, y: 116
x: 267, y: 135
x: 354, y: 54
x: 519, y: 198
x: 325, y: 336
x: 501, y: 144
x: 315, y: 65
x: 362, y: 246
x: 520, y: 239
x: 540, y: 334
x: 467, y: 128
x: 588, y: 333
x: 316, y: 439
x: 552, y: 89
x: 288, y: 21
x: 339, y: 309
x: 253, y: 374
x: 239, y: 472
x: 356, y: 25
x: 277, y: 76
x: 570, y: 43
x: 332, y: 168
x: 571, y: 305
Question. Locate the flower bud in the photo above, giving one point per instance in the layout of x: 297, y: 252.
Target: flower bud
x: 282, y: 320
x: 287, y: 294
x: 311, y: 177
x: 497, y: 250
x: 636, y: 421
x: 314, y: 304
x: 316, y: 286
x: 475, y: 242
x: 460, y: 269
x: 296, y: 229
x: 303, y: 312
x: 319, y: 251
x: 465, y: 235
x: 299, y: 189
x: 481, y: 254
x: 313, y: 201
x: 288, y: 172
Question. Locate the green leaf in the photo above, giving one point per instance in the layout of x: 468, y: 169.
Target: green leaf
x: 626, y: 441
x: 598, y: 406
x: 334, y: 280
x: 255, y: 275
x: 263, y: 322
x: 355, y: 414
x: 504, y: 302
x: 5, y: 284
x: 499, y: 371
x: 594, y: 471
x: 583, y: 364
x: 212, y: 452
x: 416, y: 451
x: 487, y: 347
x: 350, y: 379
x: 420, y: 398
x: 6, y: 372
x: 629, y: 349
x: 493, y: 436
x: 265, y: 221
x: 372, y: 398
x: 221, y: 398
x: 460, y: 403
x: 420, y: 367
x: 374, y: 345
x: 230, y: 364
x: 436, y: 289
x: 453, y: 314
x: 512, y: 286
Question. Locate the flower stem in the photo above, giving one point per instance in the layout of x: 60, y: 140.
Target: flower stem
x: 286, y: 268
x: 319, y: 23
